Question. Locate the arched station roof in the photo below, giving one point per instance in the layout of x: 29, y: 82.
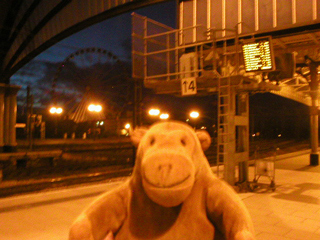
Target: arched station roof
x: 28, y: 27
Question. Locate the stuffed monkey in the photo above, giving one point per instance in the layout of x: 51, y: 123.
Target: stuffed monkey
x: 172, y: 194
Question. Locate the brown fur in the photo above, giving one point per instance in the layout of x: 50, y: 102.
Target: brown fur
x: 172, y: 194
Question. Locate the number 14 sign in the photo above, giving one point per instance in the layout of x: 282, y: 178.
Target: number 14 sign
x: 188, y: 86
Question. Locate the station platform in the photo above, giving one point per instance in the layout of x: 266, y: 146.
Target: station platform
x: 291, y: 212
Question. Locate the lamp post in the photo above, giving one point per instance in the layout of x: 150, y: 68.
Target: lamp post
x: 56, y: 111
x: 95, y: 108
x: 128, y: 128
x: 29, y: 114
x: 194, y: 115
x: 153, y: 114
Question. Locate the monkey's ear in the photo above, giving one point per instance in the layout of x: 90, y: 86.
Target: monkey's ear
x: 137, y: 135
x: 204, y: 138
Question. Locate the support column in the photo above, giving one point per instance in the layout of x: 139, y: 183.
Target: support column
x: 2, y: 92
x: 314, y: 156
x: 10, y: 117
x: 233, y: 136
x: 242, y: 135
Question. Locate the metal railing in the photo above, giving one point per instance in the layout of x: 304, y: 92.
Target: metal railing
x: 161, y: 53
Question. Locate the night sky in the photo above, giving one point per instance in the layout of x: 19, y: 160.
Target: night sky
x: 113, y: 35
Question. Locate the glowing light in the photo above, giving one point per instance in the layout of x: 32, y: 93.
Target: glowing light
x: 124, y: 131
x: 91, y: 107
x: 98, y: 108
x: 127, y: 126
x: 154, y: 112
x: 194, y: 114
x: 94, y: 108
x: 59, y: 110
x: 164, y: 116
x: 258, y: 55
x: 55, y: 110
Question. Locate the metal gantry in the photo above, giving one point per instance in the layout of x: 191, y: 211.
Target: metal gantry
x: 166, y: 58
x: 216, y: 72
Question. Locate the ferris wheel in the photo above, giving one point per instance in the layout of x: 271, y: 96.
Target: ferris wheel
x: 86, y: 67
x: 93, y: 68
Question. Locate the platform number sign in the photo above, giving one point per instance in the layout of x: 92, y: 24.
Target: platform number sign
x: 188, y: 86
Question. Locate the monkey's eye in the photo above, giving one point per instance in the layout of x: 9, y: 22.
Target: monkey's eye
x: 152, y: 141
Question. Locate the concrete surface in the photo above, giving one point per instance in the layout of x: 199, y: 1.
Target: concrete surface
x: 291, y: 212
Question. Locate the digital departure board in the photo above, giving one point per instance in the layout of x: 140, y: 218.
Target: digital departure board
x: 258, y: 55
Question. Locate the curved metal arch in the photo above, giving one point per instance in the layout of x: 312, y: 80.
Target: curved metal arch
x: 33, y: 30
x: 79, y: 52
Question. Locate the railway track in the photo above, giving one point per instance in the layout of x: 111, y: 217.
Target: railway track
x: 87, y: 164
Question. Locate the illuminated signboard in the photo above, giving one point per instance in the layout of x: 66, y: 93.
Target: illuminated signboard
x: 258, y: 55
